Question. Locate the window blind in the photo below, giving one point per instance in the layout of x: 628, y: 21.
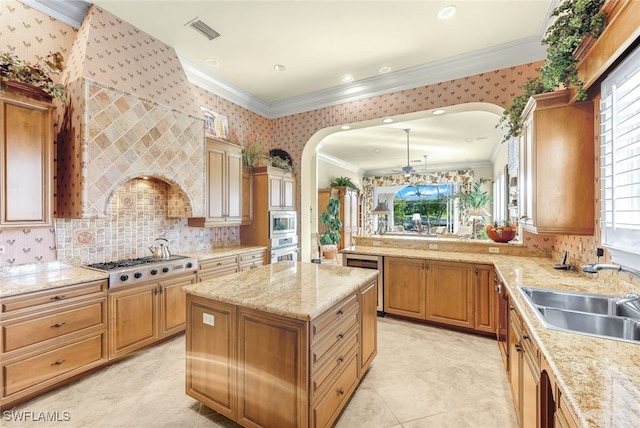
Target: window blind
x: 620, y: 162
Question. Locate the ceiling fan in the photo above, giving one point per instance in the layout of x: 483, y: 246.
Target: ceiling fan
x: 408, y: 170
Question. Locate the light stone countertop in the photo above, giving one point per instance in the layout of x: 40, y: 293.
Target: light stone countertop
x: 599, y: 377
x: 299, y: 290
x: 204, y: 255
x: 29, y: 278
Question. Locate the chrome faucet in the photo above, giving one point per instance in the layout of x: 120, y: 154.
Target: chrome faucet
x: 595, y: 268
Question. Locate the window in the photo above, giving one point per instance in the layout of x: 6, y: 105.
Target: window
x: 620, y: 162
x: 433, y: 202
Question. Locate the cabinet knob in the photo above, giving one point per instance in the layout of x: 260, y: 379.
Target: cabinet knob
x: 498, y: 288
x: 58, y: 297
x: 525, y: 336
x: 57, y: 363
x: 340, y: 311
x: 477, y: 271
x: 340, y: 391
x: 340, y: 335
x: 518, y: 347
x: 340, y: 359
x: 59, y: 324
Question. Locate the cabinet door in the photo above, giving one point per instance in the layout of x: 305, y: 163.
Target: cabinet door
x: 275, y: 192
x: 233, y: 188
x: 404, y: 287
x: 450, y: 293
x: 211, y: 354
x: 26, y: 144
x: 247, y: 197
x: 133, y: 319
x: 288, y: 193
x: 515, y: 361
x: 216, y: 184
x: 368, y: 324
x: 485, y: 299
x: 173, y: 305
x: 272, y: 347
x: 530, y: 385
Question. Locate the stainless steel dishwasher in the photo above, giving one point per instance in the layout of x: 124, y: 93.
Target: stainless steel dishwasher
x: 367, y: 261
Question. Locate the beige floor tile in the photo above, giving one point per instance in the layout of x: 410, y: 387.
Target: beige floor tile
x: 423, y: 376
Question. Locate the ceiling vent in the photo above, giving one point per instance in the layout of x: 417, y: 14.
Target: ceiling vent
x: 203, y: 29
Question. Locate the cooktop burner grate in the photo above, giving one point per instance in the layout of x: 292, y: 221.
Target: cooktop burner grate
x: 125, y: 263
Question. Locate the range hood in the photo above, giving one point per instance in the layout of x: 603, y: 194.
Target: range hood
x: 133, y: 113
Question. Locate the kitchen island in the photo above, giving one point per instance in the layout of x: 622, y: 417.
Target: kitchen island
x: 282, y: 345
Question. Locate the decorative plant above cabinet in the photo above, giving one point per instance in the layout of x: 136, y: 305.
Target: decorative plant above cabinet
x: 575, y: 21
x: 14, y: 69
x: 343, y: 182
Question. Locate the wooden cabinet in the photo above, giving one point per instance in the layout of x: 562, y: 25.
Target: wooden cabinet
x: 26, y: 168
x: 262, y: 369
x: 273, y: 190
x: 349, y: 212
x: 405, y: 287
x: 502, y: 325
x: 524, y: 372
x: 226, y: 265
x: 224, y: 199
x: 485, y: 298
x: 450, y: 293
x: 247, y: 196
x: 50, y: 336
x: 142, y: 314
x: 556, y: 160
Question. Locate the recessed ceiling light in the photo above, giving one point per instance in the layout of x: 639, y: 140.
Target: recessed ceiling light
x: 439, y: 111
x: 280, y: 67
x: 376, y: 151
x: 345, y: 127
x: 468, y: 140
x: 348, y: 78
x: 212, y: 62
x: 384, y: 69
x: 387, y: 120
x: 447, y: 12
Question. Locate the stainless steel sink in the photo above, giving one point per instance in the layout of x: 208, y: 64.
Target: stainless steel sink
x: 584, y: 313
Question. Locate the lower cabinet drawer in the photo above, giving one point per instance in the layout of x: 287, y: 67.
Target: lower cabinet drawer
x: 326, y: 323
x: 329, y: 406
x: 39, y: 328
x: 326, y: 373
x: 40, y: 368
x: 333, y: 347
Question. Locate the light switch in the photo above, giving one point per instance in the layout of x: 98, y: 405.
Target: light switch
x: 208, y: 319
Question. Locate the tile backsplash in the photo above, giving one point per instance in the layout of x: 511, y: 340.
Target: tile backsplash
x: 136, y: 215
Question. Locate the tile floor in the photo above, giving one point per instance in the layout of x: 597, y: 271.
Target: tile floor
x: 423, y: 376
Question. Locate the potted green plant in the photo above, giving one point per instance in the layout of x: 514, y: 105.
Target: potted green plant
x: 343, y: 182
x: 13, y: 69
x: 474, y: 201
x: 575, y: 21
x: 330, y: 238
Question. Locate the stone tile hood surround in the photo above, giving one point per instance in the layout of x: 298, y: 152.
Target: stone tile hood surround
x: 132, y: 114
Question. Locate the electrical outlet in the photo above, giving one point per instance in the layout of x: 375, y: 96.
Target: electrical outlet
x: 1, y: 250
x: 599, y: 252
x: 494, y: 250
x: 433, y: 246
x: 208, y: 319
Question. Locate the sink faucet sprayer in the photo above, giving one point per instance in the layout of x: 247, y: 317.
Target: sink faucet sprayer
x: 595, y: 268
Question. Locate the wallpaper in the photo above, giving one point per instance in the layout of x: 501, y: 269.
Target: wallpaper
x: 31, y: 34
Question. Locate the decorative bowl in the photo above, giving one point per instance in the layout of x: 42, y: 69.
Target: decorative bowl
x: 501, y: 233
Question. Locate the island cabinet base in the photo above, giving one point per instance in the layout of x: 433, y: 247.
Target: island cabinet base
x: 266, y: 370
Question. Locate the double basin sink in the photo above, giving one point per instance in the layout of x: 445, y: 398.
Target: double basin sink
x: 583, y: 313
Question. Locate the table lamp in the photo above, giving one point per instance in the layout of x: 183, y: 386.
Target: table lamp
x: 381, y: 210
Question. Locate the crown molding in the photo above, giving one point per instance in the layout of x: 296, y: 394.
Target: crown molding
x: 340, y: 163
x: 71, y: 12
x: 455, y: 166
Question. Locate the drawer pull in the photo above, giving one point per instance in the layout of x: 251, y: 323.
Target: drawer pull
x: 340, y: 391
x: 340, y: 311
x: 340, y: 359
x: 58, y: 297
x: 526, y: 336
x: 340, y: 335
x: 59, y: 324
x: 219, y: 264
x: 518, y: 347
x: 58, y: 363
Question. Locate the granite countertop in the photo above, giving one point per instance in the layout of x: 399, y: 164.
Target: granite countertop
x: 29, y: 278
x: 297, y: 290
x: 220, y: 252
x: 599, y: 377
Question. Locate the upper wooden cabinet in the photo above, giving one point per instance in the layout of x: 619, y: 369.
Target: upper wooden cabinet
x: 26, y: 143
x: 349, y: 212
x: 278, y: 186
x: 556, y: 165
x: 247, y: 196
x: 223, y: 186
